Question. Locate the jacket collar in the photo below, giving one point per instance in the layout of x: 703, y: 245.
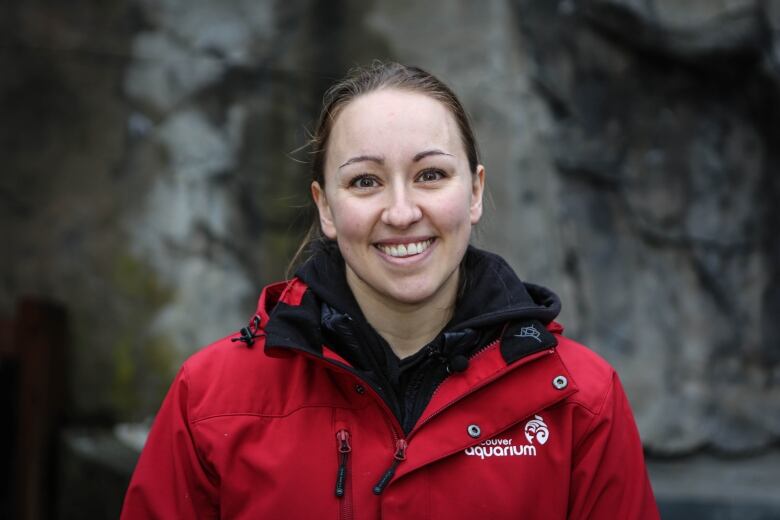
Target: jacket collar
x: 293, y: 313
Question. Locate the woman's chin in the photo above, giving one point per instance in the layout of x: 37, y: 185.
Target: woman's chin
x: 414, y: 288
x: 415, y: 296
x: 414, y: 291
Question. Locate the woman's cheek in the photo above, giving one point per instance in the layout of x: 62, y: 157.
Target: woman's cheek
x: 451, y: 214
x: 352, y: 228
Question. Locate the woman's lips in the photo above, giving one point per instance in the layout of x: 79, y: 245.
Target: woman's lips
x: 406, y: 249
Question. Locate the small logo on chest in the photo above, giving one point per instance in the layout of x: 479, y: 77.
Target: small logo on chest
x: 530, y: 332
x: 536, y: 432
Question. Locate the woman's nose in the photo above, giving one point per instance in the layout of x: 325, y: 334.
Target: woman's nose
x: 402, y: 211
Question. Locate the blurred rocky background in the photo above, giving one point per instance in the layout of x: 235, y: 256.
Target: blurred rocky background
x: 153, y: 180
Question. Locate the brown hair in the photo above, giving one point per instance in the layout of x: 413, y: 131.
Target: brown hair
x: 362, y: 80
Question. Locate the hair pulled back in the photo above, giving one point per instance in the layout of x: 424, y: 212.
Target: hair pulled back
x: 363, y: 80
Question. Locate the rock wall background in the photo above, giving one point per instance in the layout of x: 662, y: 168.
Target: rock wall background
x: 152, y: 179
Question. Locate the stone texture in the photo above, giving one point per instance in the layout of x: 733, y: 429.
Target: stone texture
x: 688, y: 29
x: 700, y: 479
x: 165, y: 72
x: 183, y: 228
x: 667, y: 167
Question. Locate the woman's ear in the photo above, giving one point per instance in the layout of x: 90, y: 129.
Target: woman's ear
x: 477, y: 190
x: 323, y: 208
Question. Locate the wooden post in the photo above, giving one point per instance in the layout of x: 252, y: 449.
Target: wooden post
x: 40, y: 338
x: 9, y: 407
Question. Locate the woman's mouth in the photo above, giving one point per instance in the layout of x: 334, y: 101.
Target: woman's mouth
x: 405, y: 250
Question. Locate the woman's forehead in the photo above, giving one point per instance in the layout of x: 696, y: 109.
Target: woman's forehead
x: 394, y: 121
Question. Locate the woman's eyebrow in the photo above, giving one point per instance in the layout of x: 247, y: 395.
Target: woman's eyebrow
x: 363, y: 158
x: 381, y: 160
x: 426, y: 153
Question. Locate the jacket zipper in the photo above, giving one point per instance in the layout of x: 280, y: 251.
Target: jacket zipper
x: 398, y: 457
x: 392, y: 421
x: 401, y: 444
x: 343, y: 492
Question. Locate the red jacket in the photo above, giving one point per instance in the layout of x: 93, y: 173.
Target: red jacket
x: 246, y: 433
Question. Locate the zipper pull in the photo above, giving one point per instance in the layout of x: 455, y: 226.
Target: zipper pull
x: 399, y: 456
x: 342, y: 436
x: 400, y: 450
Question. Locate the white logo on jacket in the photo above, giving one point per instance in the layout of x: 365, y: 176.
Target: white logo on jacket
x: 535, y: 429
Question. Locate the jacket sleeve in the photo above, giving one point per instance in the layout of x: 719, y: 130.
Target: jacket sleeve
x: 609, y: 478
x: 170, y: 480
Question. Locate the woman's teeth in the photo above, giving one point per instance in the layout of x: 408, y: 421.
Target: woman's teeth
x: 402, y: 250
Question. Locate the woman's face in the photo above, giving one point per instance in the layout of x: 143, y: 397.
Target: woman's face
x: 399, y: 197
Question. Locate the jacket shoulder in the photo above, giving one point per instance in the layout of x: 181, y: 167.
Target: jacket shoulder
x: 229, y: 377
x: 592, y: 374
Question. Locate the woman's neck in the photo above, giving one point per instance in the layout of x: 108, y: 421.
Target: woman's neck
x: 407, y: 327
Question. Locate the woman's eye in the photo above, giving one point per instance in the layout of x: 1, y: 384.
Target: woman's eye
x: 430, y: 175
x: 364, y: 181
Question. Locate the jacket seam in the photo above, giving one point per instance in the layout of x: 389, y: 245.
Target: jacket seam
x: 271, y: 415
x: 210, y: 472
x: 573, y: 399
x: 592, y: 423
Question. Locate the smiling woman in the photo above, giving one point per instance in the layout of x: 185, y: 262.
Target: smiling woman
x: 397, y: 176
x: 395, y: 354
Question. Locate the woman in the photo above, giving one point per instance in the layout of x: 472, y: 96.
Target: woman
x: 401, y: 373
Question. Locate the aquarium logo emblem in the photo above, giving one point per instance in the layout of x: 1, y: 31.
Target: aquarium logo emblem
x: 536, y: 432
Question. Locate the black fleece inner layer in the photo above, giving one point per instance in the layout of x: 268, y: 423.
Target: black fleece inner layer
x: 490, y: 297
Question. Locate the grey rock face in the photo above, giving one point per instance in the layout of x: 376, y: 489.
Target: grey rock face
x: 180, y: 226
x: 166, y: 72
x: 665, y: 148
x: 687, y: 28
